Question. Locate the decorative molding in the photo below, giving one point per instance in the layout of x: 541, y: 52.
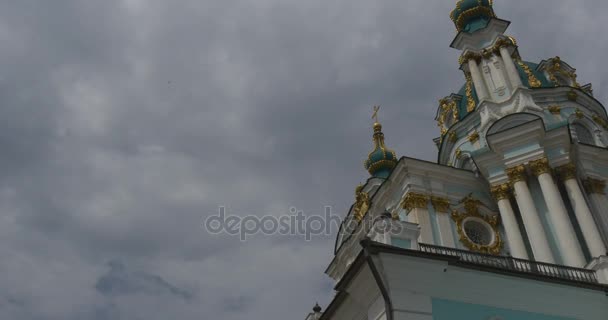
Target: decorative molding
x: 458, y: 153
x: 595, y: 186
x: 567, y: 171
x: 361, y: 203
x: 516, y: 174
x: 414, y: 201
x: 579, y: 114
x: 440, y: 204
x: 471, y: 210
x: 501, y: 192
x: 572, y: 95
x: 540, y: 166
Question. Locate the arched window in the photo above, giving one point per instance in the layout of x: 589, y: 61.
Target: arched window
x: 583, y: 135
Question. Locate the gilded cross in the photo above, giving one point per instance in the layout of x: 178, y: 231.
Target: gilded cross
x: 375, y: 115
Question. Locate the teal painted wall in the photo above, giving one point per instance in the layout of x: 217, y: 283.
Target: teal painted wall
x: 401, y: 243
x: 453, y: 310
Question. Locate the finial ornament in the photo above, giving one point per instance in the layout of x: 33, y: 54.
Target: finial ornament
x: 375, y: 114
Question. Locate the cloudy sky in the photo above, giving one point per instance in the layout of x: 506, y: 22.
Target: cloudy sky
x: 125, y: 123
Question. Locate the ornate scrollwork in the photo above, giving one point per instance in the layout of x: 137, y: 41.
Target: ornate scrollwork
x: 446, y: 106
x: 579, y: 114
x: 572, y: 95
x: 555, y: 68
x: 472, y: 211
x: 414, y: 200
x: 471, y: 105
x: 361, y: 203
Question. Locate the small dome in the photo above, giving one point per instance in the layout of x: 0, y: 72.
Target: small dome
x: 472, y: 15
x: 381, y: 161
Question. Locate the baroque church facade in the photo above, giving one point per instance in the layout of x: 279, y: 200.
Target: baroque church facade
x: 511, y: 222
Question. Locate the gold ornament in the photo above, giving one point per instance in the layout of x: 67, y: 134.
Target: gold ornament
x: 532, y: 80
x: 567, y: 171
x: 595, y: 186
x: 453, y: 137
x: 474, y: 137
x: 361, y: 203
x: 501, y: 192
x: 516, y: 174
x: 471, y: 210
x: 554, y: 109
x: 572, y: 95
x: 579, y: 114
x: 414, y: 201
x: 440, y: 204
x: 471, y: 105
x: 540, y: 166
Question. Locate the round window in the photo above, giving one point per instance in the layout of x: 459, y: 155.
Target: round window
x: 478, y: 232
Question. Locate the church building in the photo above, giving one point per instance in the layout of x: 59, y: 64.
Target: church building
x: 510, y: 222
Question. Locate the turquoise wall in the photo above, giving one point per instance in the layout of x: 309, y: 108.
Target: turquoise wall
x: 453, y: 310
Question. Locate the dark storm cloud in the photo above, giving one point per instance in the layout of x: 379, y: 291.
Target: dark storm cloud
x: 124, y: 123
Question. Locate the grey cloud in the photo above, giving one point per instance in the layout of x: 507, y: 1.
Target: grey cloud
x: 124, y: 123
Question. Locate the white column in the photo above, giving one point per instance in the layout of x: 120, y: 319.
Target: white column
x: 478, y: 82
x: 514, y: 237
x: 510, y: 67
x: 442, y: 208
x: 598, y: 197
x: 557, y: 215
x: 534, y: 228
x: 585, y: 220
x: 417, y: 207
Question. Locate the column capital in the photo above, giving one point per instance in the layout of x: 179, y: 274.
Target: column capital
x: 516, y: 174
x: 595, y: 186
x: 540, y: 166
x: 414, y: 201
x: 567, y: 171
x: 440, y: 204
x: 501, y: 192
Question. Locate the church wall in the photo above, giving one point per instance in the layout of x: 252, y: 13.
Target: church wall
x: 449, y: 310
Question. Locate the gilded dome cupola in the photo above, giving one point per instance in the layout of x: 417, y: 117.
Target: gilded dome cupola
x: 472, y: 15
x: 381, y: 161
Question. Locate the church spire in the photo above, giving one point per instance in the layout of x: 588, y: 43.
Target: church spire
x: 381, y: 161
